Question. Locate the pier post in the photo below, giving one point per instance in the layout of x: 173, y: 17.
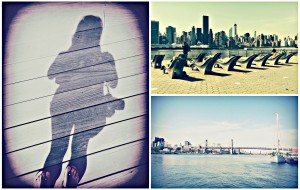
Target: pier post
x: 206, y: 146
x: 231, y: 151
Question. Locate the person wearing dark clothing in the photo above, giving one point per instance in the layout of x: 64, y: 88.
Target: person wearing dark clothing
x: 274, y: 53
x: 186, y: 48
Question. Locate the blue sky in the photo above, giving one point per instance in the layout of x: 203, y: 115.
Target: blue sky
x: 279, y: 18
x: 249, y: 120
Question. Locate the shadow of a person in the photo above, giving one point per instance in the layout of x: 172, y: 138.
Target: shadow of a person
x: 84, y: 67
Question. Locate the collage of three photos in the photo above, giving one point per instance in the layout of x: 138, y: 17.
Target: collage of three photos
x: 150, y: 94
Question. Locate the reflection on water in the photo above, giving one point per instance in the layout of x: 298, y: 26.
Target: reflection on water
x: 221, y: 171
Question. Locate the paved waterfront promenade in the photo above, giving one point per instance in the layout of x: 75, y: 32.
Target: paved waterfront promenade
x: 279, y: 79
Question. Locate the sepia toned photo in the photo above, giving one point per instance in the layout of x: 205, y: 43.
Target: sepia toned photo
x: 75, y: 95
x: 224, y: 142
x: 224, y: 47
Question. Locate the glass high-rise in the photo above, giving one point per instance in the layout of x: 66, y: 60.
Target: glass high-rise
x: 171, y: 34
x: 154, y: 32
x: 205, y: 29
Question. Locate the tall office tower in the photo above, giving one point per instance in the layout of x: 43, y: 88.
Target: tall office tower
x: 199, y: 34
x: 154, y: 32
x: 163, y: 39
x: 193, y: 36
x: 255, y: 35
x: 275, y: 37
x: 235, y: 30
x: 247, y: 37
x: 230, y: 32
x: 210, y: 38
x: 221, y: 39
x: 184, y: 37
x: 205, y: 29
x: 171, y: 34
x: 189, y: 37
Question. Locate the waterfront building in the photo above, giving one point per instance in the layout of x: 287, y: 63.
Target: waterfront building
x: 231, y: 42
x: 246, y: 37
x: 275, y: 37
x: 166, y: 150
x: 171, y: 34
x: 230, y: 32
x: 199, y: 34
x: 257, y: 43
x: 221, y: 39
x: 163, y: 39
x: 184, y: 37
x: 235, y: 30
x: 154, y: 32
x: 205, y: 29
x: 193, y: 36
x: 254, y: 35
x: 187, y: 143
x: 210, y: 38
x: 189, y: 41
x: 158, y: 142
x: 178, y: 40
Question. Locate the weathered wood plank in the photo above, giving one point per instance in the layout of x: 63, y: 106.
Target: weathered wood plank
x: 103, y: 140
x: 138, y: 176
x: 109, y: 161
x: 65, y: 16
x: 19, y: 114
x: 57, y: 38
x: 33, y: 89
x: 39, y: 67
x: 24, y: 58
x: 41, y: 132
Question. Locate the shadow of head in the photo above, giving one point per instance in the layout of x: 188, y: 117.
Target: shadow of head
x: 88, y: 31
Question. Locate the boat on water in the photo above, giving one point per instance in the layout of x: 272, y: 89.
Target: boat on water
x: 292, y: 161
x: 277, y: 157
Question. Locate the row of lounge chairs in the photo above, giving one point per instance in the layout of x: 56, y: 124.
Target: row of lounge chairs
x: 205, y: 64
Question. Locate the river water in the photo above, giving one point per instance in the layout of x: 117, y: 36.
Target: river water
x: 220, y: 171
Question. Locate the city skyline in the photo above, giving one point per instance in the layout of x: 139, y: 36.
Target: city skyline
x: 249, y: 121
x: 191, y: 13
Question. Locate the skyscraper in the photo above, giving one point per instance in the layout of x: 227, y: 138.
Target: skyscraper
x: 235, y: 30
x: 205, y: 29
x: 275, y: 37
x: 154, y: 32
x: 255, y: 35
x: 199, y: 34
x: 184, y: 37
x: 210, y: 38
x: 193, y: 36
x: 230, y: 32
x: 221, y: 39
x: 171, y: 34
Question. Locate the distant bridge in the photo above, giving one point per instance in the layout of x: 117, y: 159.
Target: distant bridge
x: 257, y: 148
x: 220, y: 147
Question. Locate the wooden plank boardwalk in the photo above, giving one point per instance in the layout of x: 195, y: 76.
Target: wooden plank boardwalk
x: 72, y: 96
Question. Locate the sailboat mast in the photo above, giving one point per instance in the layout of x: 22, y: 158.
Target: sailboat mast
x: 277, y: 131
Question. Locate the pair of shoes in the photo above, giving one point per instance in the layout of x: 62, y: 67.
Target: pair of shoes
x: 43, y: 180
x: 71, y: 178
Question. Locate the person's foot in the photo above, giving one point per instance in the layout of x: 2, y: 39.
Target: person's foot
x: 43, y: 180
x: 71, y: 178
